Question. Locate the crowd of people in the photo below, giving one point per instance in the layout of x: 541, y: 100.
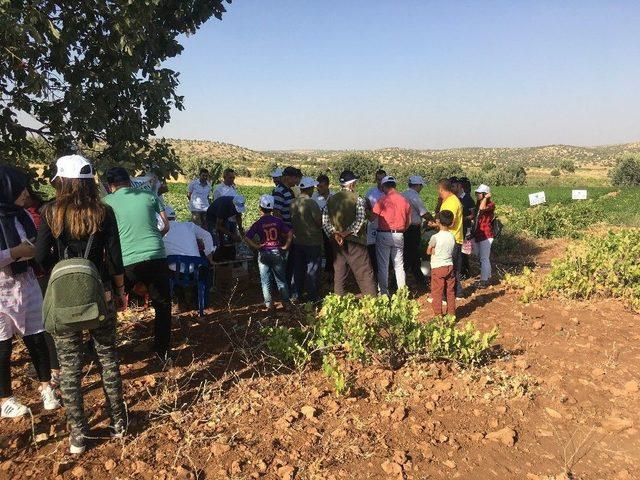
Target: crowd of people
x: 68, y: 265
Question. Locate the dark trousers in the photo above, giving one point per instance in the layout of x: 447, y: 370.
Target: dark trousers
x: 457, y: 267
x: 53, y: 353
x: 70, y: 347
x: 37, y: 347
x: 464, y: 270
x: 373, y: 259
x: 290, y: 267
x: 412, y: 253
x: 155, y: 275
x: 328, y: 253
x: 306, y: 271
x: 443, y: 282
x: 225, y: 253
x: 353, y: 256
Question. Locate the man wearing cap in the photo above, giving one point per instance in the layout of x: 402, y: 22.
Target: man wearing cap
x: 224, y: 218
x: 344, y: 221
x: 394, y: 217
x: 143, y: 253
x: 371, y: 198
x: 276, y: 176
x: 283, y: 196
x: 321, y: 196
x: 412, y: 236
x: 198, y: 193
x: 306, y: 218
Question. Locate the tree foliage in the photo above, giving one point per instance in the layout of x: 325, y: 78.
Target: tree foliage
x: 90, y: 74
x: 362, y: 165
x: 626, y: 173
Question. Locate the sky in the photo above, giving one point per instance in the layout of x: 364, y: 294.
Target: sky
x: 364, y: 74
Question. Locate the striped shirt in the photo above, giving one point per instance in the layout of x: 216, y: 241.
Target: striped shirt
x: 283, y: 196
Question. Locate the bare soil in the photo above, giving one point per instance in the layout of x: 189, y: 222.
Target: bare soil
x: 558, y: 399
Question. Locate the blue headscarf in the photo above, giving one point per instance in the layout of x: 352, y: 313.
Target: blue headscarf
x: 12, y: 184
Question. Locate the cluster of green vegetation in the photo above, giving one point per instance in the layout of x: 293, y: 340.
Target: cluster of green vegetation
x: 604, y: 265
x: 382, y: 330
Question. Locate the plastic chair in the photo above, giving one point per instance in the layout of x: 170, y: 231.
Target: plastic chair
x: 188, y: 273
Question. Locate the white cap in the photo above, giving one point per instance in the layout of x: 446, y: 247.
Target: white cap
x: 388, y: 179
x: 267, y: 201
x: 416, y: 180
x: 170, y: 211
x: 276, y: 173
x: 482, y: 188
x: 238, y: 202
x: 70, y: 166
x: 307, y: 182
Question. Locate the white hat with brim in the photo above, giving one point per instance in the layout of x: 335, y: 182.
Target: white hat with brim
x: 276, y: 173
x: 267, y: 201
x: 72, y: 166
x: 170, y: 211
x: 416, y: 180
x: 483, y: 189
x: 307, y: 182
x: 388, y: 179
x: 239, y: 203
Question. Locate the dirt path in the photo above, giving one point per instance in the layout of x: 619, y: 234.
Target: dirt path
x: 561, y: 393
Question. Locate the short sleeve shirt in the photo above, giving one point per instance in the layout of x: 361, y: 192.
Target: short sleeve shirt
x: 417, y: 206
x: 222, y: 207
x: 136, y: 210
x: 271, y: 232
x: 283, y: 196
x: 443, y: 243
x: 199, y: 196
x: 393, y: 211
x: 483, y: 225
x: 452, y: 203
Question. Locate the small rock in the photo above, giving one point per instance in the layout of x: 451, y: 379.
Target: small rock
x: 537, y: 325
x: 6, y: 466
x: 219, y: 449
x: 443, y: 385
x: 449, y: 463
x: 399, y: 414
x: 285, y: 472
x: 41, y: 437
x: 308, y: 411
x: 109, y: 465
x: 522, y: 364
x: 392, y: 468
x: 553, y: 413
x: 79, y: 472
x: 617, y: 424
x: 506, y: 436
x: 623, y: 475
x: 631, y: 386
x: 597, y: 372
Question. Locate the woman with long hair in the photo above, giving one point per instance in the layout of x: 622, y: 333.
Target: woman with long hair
x: 20, y: 295
x: 75, y: 216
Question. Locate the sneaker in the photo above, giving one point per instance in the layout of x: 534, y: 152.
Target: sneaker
x: 118, y: 429
x: 49, y: 398
x: 12, y: 408
x: 459, y: 299
x: 77, y: 442
x: 430, y: 300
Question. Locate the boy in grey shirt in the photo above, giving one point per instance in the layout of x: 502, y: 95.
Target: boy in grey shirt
x: 443, y: 279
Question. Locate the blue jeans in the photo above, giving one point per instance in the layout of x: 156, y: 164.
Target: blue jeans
x: 307, y: 260
x: 272, y: 263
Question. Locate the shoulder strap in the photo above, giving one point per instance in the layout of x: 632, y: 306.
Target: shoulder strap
x: 88, y: 249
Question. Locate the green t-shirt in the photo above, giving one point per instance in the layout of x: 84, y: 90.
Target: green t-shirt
x: 136, y: 210
x: 306, y: 220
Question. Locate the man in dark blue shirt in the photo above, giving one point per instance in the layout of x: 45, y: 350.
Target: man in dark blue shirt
x: 228, y: 233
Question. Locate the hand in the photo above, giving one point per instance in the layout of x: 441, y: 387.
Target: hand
x: 488, y: 195
x: 286, y: 247
x: 338, y: 238
x: 24, y: 250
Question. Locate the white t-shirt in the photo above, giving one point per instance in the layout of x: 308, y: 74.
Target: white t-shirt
x: 417, y: 206
x: 223, y: 190
x: 444, y: 243
x: 321, y: 200
x: 182, y: 239
x: 372, y: 196
x: 199, y: 196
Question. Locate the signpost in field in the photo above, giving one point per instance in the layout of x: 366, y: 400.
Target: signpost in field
x: 537, y: 198
x: 578, y: 194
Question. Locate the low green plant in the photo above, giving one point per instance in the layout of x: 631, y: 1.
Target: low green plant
x: 290, y: 345
x: 559, y: 220
x: 342, y: 381
x: 466, y: 345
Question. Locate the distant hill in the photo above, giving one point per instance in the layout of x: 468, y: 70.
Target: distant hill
x: 531, y: 157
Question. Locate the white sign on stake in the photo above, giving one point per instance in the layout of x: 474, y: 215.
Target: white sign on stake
x: 578, y: 194
x: 537, y: 198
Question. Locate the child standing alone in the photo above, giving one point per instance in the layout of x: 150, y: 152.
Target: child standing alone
x: 443, y: 278
x: 275, y: 239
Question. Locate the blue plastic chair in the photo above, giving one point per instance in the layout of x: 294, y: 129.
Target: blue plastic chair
x: 188, y: 274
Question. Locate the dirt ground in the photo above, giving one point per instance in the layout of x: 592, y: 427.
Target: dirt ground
x: 559, y: 394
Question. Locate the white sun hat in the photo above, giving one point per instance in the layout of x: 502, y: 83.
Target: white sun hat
x: 388, y: 179
x: 267, y: 201
x: 482, y: 188
x: 307, y: 182
x: 238, y: 202
x: 73, y: 166
x: 416, y: 180
x: 276, y: 173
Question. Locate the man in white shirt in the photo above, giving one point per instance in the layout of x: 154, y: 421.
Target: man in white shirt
x: 322, y: 192
x: 412, y: 236
x: 371, y: 198
x: 198, y: 193
x: 228, y: 186
x: 183, y: 238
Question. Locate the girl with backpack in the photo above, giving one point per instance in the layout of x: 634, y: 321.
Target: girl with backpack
x: 20, y: 295
x: 484, y: 234
x: 79, y: 238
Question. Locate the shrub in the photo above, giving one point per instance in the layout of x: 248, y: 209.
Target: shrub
x: 362, y: 165
x: 191, y: 166
x: 567, y: 165
x: 443, y: 170
x: 511, y: 174
x: 626, y: 173
x: 374, y: 329
x: 555, y: 172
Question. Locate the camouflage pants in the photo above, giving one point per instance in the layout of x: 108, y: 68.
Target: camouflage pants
x: 71, y: 354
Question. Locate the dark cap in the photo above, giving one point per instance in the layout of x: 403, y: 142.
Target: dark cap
x: 347, y: 176
x: 116, y: 175
x: 454, y: 180
x: 291, y: 172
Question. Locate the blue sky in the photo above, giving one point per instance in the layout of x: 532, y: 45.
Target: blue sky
x: 293, y: 74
